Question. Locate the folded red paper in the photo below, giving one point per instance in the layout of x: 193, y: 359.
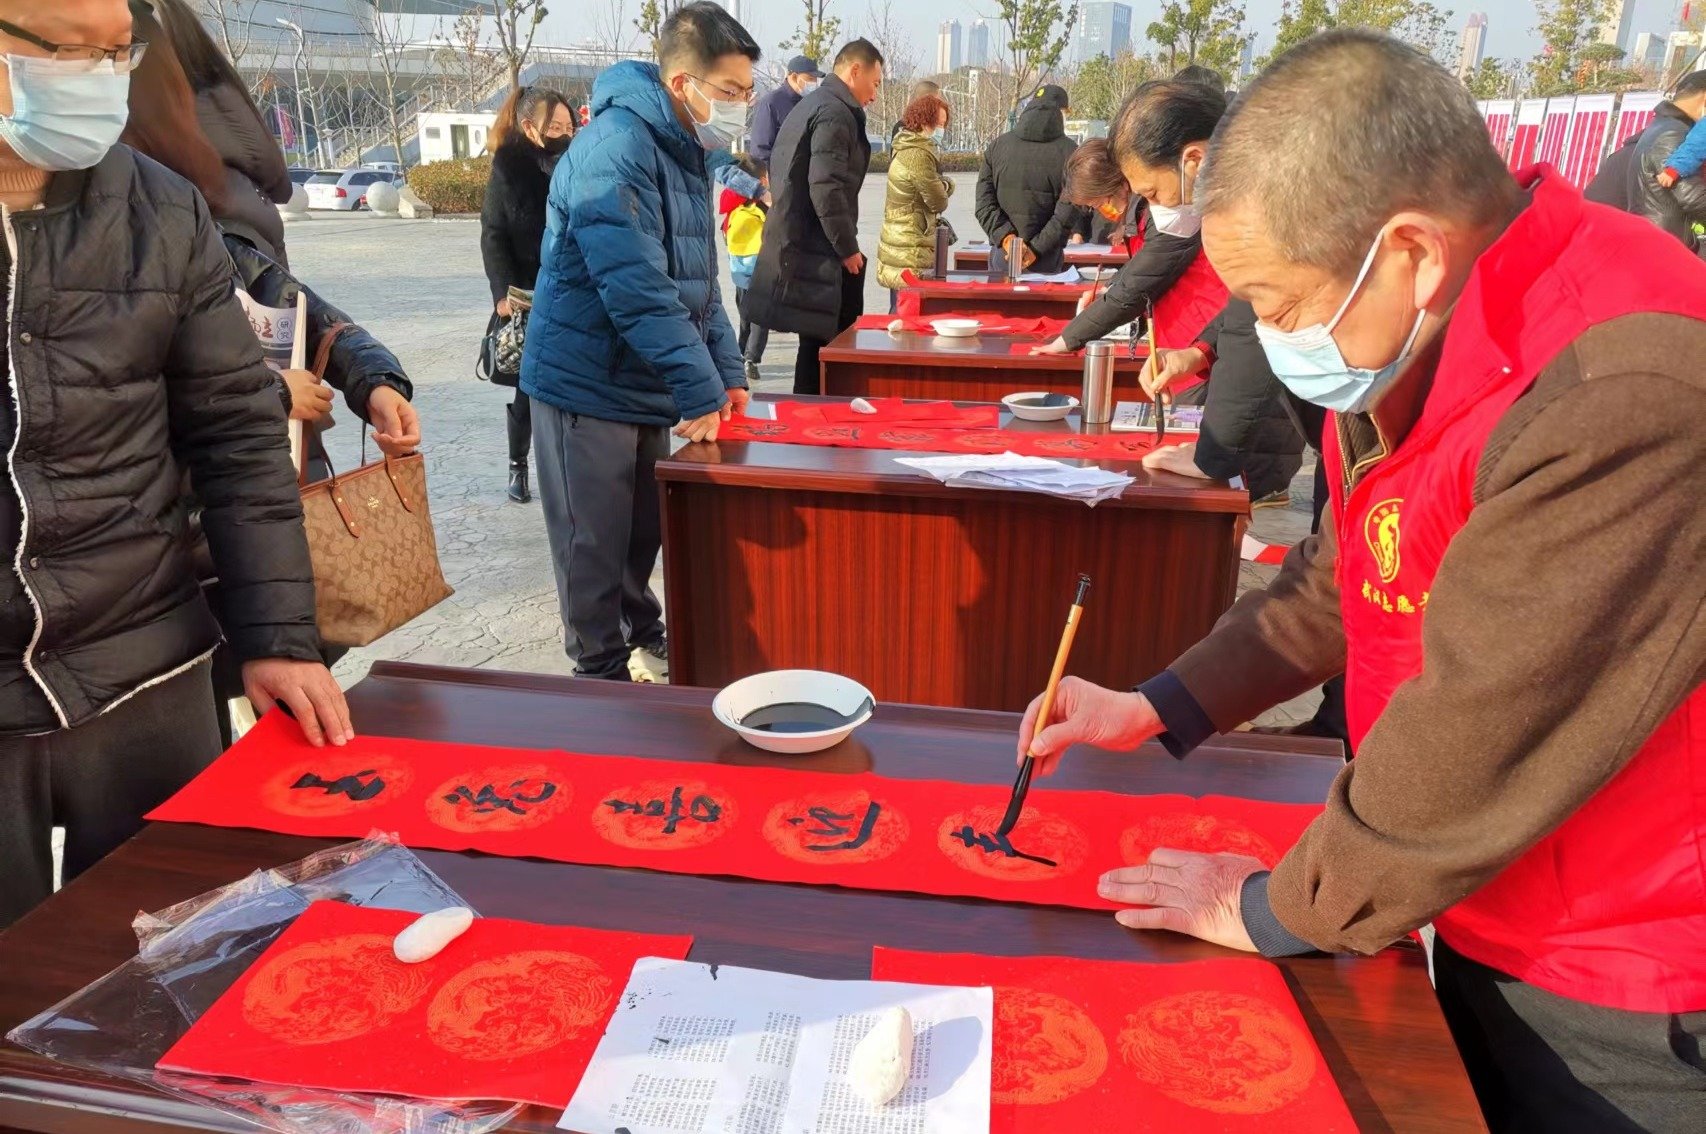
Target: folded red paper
x: 862, y: 831
x: 890, y: 411
x: 1115, y: 1045
x: 970, y: 435
x: 509, y: 1011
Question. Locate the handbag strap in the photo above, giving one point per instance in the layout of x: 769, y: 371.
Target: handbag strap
x: 323, y: 353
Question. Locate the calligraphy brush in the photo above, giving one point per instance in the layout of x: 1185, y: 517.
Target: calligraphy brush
x: 1162, y: 400
x: 1022, y: 785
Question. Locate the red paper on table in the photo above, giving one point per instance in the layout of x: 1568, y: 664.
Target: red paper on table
x: 932, y: 438
x: 890, y: 411
x: 988, y: 323
x: 1117, y: 1045
x: 862, y: 831
x: 509, y: 1011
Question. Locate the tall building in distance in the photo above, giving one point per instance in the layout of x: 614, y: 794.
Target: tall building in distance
x: 1648, y: 52
x: 1472, y: 46
x: 948, y: 57
x: 1615, y: 29
x: 977, y: 44
x: 1103, y: 29
x: 1247, y: 58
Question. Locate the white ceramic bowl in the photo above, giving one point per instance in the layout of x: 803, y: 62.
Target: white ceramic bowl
x: 955, y: 328
x: 780, y: 686
x: 1038, y: 413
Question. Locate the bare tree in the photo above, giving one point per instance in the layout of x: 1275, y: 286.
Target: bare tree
x: 815, y: 37
x: 610, y: 28
x: 390, y: 86
x: 234, y: 23
x: 470, y: 67
x: 900, y: 66
x: 517, y: 22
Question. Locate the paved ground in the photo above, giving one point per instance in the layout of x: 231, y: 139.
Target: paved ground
x: 418, y: 286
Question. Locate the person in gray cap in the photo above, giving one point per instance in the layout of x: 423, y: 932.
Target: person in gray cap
x: 772, y: 110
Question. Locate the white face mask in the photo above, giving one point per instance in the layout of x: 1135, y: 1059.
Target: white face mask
x: 727, y: 122
x: 1183, y: 220
x: 64, y: 115
x: 808, y: 87
x: 1308, y: 360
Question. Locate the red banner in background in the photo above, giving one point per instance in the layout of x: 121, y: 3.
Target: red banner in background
x: 510, y: 1010
x: 1114, y: 1045
x: 864, y: 831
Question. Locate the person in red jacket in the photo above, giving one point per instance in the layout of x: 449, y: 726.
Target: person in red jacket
x: 1510, y: 576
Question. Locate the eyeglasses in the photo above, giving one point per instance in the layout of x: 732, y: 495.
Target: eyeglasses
x: 123, y: 59
x: 745, y: 97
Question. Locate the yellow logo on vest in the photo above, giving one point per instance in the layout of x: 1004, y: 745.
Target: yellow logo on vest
x: 1381, y: 532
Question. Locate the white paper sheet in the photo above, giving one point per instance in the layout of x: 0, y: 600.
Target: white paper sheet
x: 1068, y: 275
x: 709, y: 1049
x: 1020, y: 473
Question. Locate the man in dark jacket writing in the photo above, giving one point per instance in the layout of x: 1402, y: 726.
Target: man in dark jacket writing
x: 810, y: 277
x: 773, y: 109
x: 128, y: 360
x: 1020, y: 188
x: 628, y: 334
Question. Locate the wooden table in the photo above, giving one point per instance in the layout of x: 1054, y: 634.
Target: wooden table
x: 1057, y: 301
x: 781, y: 556
x: 982, y: 369
x: 1375, y: 1018
x: 975, y: 257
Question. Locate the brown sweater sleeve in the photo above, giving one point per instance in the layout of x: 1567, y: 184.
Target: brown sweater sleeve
x: 1274, y: 644
x: 1565, y: 624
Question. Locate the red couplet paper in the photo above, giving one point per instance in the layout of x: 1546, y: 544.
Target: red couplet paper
x: 989, y: 323
x: 863, y: 831
x: 1115, y: 1045
x: 933, y: 438
x: 891, y: 411
x: 509, y: 1011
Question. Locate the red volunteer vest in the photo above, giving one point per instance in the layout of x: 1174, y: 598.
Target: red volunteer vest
x: 1610, y: 908
x: 1189, y: 305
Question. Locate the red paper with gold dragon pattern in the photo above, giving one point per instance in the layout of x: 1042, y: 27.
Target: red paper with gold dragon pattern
x: 1115, y: 1045
x: 509, y: 1011
x: 774, y: 824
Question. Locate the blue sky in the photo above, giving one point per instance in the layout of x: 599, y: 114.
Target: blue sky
x: 1510, y: 22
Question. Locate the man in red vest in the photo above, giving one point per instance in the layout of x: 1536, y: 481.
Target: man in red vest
x: 1511, y: 578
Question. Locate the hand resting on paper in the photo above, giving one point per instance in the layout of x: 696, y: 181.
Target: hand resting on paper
x: 308, y: 690
x: 1186, y: 892
x: 1058, y: 346
x: 704, y: 428
x: 310, y: 398
x: 1180, y: 459
x: 1086, y: 714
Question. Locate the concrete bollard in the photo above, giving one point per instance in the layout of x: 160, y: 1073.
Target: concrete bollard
x: 382, y: 199
x: 296, y: 209
x: 410, y: 205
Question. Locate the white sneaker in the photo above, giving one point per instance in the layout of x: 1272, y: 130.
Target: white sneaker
x: 648, y: 667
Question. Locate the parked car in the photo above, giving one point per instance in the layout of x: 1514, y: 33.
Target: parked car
x: 341, y: 189
x: 299, y: 175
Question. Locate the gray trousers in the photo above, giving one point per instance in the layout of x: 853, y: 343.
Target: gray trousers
x: 97, y: 781
x: 1543, y: 1064
x: 600, y: 497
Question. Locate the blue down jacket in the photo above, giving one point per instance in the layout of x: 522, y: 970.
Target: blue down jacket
x: 627, y: 321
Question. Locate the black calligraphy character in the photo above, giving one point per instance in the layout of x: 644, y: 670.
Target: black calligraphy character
x: 997, y: 843
x: 355, y: 786
x: 833, y: 824
x: 701, y: 809
x: 489, y: 800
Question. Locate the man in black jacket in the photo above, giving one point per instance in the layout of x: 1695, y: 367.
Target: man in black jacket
x: 1020, y: 199
x: 773, y: 109
x: 1628, y: 179
x: 128, y: 359
x: 810, y: 276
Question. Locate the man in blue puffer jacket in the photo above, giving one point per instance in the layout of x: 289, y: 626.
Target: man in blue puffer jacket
x: 628, y: 334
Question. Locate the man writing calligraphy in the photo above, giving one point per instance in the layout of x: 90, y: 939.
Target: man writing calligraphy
x: 1510, y: 577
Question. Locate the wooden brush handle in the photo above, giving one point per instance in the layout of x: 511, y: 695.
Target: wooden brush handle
x: 1059, y: 669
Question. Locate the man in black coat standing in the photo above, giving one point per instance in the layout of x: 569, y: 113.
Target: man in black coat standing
x: 1628, y: 178
x: 810, y: 277
x: 773, y: 109
x: 1020, y: 202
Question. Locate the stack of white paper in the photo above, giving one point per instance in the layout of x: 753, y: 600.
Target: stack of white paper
x: 1070, y: 275
x: 1024, y: 474
x: 714, y: 1049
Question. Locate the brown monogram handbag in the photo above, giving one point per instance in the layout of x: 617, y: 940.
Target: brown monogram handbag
x: 371, y: 539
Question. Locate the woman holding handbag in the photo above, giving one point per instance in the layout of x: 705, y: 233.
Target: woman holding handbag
x: 533, y: 128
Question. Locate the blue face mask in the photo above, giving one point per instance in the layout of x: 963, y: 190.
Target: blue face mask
x: 1308, y: 361
x: 64, y: 115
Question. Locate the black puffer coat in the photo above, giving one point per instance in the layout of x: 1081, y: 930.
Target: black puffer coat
x: 256, y: 179
x: 130, y: 359
x: 1019, y: 188
x: 512, y: 220
x: 1626, y: 179
x: 1247, y: 430
x: 816, y: 170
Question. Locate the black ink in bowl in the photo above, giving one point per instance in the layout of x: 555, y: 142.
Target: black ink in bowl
x: 800, y: 716
x: 1041, y: 401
